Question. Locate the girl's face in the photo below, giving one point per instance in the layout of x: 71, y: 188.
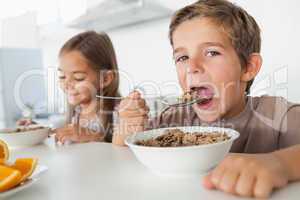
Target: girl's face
x: 208, y: 64
x: 77, y: 79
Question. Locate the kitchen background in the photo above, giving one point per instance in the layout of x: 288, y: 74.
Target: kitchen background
x: 32, y: 32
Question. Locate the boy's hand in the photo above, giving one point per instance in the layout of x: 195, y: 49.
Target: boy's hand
x: 248, y: 175
x: 133, y: 114
x: 133, y: 107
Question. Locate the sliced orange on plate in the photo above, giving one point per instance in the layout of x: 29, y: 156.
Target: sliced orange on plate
x: 26, y: 166
x: 15, y: 174
x: 9, y: 178
x: 4, y: 152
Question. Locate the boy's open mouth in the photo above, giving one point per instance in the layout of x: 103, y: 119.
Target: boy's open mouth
x: 203, y: 92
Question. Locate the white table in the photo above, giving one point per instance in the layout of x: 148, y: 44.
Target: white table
x: 102, y: 171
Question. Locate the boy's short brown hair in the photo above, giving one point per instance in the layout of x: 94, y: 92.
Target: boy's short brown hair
x: 241, y: 28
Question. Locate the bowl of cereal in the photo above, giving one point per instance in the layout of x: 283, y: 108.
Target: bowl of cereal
x: 24, y: 136
x: 182, y: 151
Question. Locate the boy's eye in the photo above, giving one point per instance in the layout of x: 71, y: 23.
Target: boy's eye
x: 212, y: 53
x: 181, y: 59
x: 61, y: 77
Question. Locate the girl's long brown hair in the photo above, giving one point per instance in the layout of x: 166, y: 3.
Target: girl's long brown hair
x: 98, y: 50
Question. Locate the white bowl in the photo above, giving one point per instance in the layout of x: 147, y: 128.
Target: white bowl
x: 25, y: 139
x: 181, y: 161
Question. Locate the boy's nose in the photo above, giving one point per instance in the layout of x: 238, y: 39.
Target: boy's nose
x: 194, y: 66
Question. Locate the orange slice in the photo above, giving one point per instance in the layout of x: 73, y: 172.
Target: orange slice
x: 26, y: 166
x: 4, y: 152
x: 9, y: 178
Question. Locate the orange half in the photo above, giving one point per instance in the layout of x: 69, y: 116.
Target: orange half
x: 9, y: 178
x: 4, y: 152
x: 26, y: 166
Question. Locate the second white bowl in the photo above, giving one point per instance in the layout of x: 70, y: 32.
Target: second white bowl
x: 181, y: 161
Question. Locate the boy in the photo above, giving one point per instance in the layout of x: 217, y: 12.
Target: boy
x: 216, y: 47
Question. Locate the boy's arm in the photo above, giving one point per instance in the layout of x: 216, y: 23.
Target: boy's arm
x: 290, y: 159
x: 289, y: 141
x: 290, y: 127
x: 133, y: 116
x: 258, y: 174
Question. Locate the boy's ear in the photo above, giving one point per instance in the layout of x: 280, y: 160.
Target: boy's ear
x: 107, y: 79
x: 253, y: 67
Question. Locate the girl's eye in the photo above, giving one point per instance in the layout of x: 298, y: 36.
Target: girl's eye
x: 212, y: 53
x: 79, y: 79
x: 79, y: 76
x: 181, y: 59
x: 61, y: 77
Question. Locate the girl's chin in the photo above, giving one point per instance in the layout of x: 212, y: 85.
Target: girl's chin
x: 76, y: 102
x: 73, y: 101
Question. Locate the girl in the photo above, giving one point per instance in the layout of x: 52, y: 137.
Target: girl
x: 88, y: 67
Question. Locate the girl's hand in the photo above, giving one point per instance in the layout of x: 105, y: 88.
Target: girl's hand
x: 69, y: 134
x: 248, y: 175
x: 133, y: 114
x: 25, y: 122
x: 61, y: 134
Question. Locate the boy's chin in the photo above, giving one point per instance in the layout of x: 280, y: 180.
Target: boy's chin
x: 207, y: 116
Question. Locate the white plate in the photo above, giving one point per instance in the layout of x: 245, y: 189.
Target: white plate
x: 40, y: 169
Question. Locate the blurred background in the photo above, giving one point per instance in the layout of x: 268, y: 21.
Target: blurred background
x: 32, y: 32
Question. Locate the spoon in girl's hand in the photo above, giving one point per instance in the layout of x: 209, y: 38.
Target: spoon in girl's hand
x: 141, y: 90
x: 106, y: 97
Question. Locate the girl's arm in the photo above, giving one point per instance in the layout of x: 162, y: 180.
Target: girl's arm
x: 69, y: 133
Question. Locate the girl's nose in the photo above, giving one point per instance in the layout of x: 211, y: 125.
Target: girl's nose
x: 69, y: 84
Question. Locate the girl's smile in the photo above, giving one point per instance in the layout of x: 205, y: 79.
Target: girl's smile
x: 77, y: 79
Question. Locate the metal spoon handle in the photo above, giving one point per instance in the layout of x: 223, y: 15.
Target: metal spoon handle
x: 182, y: 104
x: 120, y: 98
x: 106, y: 97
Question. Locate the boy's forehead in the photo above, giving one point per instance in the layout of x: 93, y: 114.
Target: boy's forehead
x: 199, y: 31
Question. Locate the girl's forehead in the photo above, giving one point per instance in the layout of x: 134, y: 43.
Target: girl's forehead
x: 73, y: 61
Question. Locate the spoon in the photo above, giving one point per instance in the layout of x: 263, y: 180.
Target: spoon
x: 181, y: 102
x: 169, y: 103
x: 107, y: 97
x: 120, y: 98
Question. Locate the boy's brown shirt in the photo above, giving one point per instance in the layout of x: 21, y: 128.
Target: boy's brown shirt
x: 266, y: 124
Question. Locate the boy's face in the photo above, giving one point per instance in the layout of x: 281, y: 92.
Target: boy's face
x: 207, y: 64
